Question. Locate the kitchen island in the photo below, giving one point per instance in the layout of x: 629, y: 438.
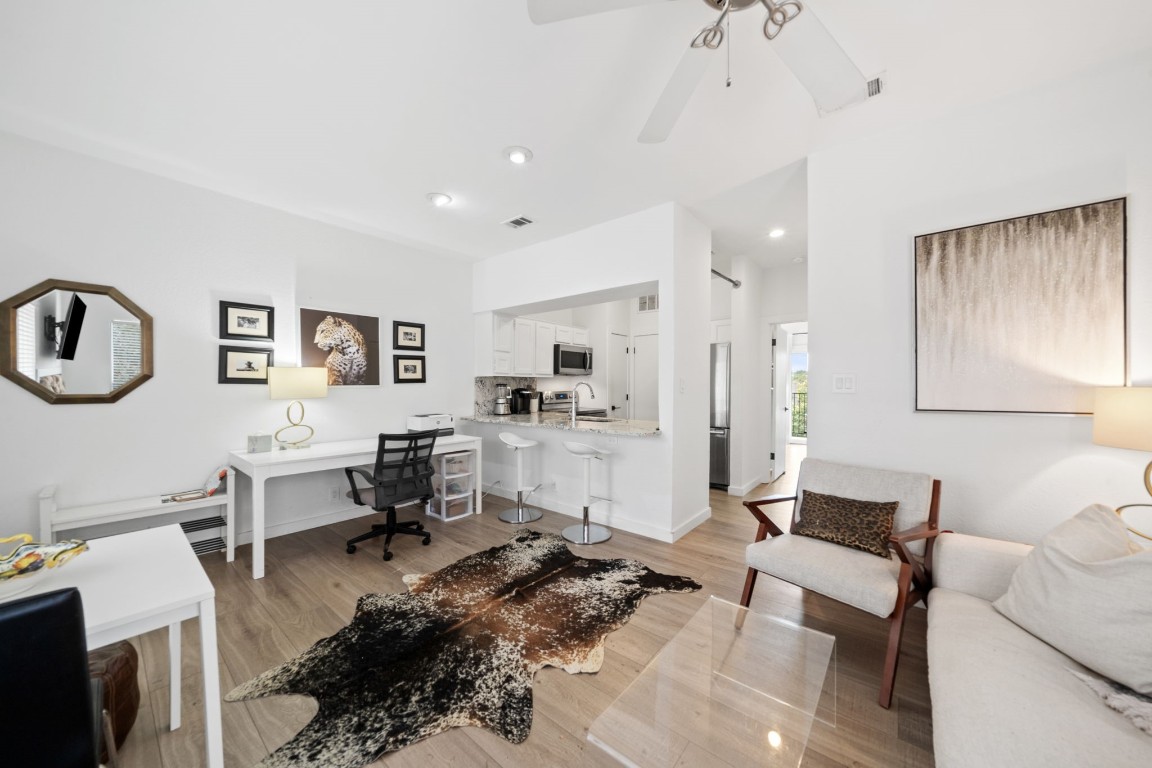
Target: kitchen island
x: 631, y: 481
x: 563, y: 420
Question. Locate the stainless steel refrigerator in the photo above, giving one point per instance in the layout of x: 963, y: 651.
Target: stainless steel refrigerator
x: 718, y: 421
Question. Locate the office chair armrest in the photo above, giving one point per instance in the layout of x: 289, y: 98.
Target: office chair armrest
x: 352, y: 482
x: 766, y: 527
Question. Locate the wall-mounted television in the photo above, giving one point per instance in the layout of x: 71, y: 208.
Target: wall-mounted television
x: 70, y: 334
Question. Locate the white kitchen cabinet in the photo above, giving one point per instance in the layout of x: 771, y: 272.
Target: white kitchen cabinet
x: 524, y: 346
x: 580, y: 336
x: 545, y: 342
x: 502, y: 333
x: 564, y: 334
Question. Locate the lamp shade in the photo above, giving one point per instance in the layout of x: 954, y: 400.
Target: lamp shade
x: 1123, y: 418
x: 297, y: 383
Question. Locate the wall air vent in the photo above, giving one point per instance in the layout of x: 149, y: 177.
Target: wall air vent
x: 518, y: 222
x: 875, y: 86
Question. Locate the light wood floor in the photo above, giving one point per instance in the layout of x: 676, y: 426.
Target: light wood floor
x: 311, y: 588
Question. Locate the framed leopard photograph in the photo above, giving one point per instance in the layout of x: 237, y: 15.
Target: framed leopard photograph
x: 347, y: 345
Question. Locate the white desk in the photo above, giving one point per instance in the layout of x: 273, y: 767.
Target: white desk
x: 324, y: 456
x: 137, y: 582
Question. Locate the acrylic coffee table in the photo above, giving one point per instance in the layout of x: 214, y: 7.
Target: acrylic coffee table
x: 732, y: 688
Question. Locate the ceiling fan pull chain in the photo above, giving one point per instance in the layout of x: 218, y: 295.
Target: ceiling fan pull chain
x: 779, y: 14
x: 713, y: 35
x: 728, y: 51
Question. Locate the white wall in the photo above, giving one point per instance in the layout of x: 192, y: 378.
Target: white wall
x: 1075, y: 142
x: 784, y: 295
x: 664, y: 245
x: 176, y: 250
x: 751, y: 430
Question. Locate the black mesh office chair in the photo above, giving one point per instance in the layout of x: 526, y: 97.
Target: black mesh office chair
x: 402, y: 473
x: 50, y: 715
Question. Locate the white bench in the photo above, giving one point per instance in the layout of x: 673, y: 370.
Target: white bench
x: 54, y: 518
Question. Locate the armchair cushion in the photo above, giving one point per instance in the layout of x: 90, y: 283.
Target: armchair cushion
x: 863, y: 525
x: 848, y: 575
x: 1084, y: 590
x: 912, y: 489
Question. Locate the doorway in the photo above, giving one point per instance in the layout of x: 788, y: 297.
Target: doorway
x: 645, y: 399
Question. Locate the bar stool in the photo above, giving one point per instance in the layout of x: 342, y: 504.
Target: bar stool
x: 521, y: 514
x: 585, y: 532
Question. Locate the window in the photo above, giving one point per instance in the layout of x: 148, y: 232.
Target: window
x: 649, y: 303
x: 125, y: 351
x: 26, y: 340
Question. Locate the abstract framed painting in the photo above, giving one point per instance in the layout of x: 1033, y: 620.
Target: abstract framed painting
x: 1023, y: 315
x: 347, y: 345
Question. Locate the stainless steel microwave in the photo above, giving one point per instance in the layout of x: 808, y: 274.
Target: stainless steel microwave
x: 571, y: 360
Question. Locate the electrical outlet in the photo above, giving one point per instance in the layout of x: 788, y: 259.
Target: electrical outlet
x: 334, y: 493
x: 612, y: 441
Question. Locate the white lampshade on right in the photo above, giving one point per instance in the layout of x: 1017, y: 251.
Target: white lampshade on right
x: 1122, y: 418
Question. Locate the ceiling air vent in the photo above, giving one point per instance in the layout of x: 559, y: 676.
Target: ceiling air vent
x: 519, y: 221
x: 875, y: 86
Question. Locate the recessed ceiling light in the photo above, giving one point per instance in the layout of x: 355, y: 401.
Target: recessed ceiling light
x: 439, y: 199
x: 518, y: 155
x: 776, y: 233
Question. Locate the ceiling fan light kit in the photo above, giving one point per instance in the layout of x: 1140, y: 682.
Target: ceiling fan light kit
x: 807, y: 49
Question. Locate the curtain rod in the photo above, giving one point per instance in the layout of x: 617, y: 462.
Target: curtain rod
x: 722, y: 276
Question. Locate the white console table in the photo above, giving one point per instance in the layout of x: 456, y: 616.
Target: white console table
x: 319, y: 457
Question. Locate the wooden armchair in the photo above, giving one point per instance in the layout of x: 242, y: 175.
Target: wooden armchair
x: 881, y: 586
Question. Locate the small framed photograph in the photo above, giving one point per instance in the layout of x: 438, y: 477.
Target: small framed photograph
x: 407, y: 335
x: 246, y: 322
x: 244, y: 365
x: 408, y: 369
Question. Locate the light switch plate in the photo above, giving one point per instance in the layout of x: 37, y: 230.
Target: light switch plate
x: 844, y: 383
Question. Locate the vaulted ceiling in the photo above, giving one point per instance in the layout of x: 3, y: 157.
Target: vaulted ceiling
x: 351, y: 112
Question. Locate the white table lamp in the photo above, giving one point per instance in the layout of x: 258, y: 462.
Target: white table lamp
x: 1123, y: 419
x: 296, y: 384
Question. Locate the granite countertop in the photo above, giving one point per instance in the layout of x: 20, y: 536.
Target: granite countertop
x: 563, y: 420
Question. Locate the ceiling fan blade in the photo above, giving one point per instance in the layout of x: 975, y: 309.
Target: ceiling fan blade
x: 689, y: 72
x: 819, y: 63
x: 548, y: 11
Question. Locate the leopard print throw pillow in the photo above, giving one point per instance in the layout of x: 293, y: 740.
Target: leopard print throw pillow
x: 863, y: 525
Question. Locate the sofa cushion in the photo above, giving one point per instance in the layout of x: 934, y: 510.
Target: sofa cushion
x: 1084, y: 589
x: 1002, y: 697
x: 862, y: 525
x: 857, y: 578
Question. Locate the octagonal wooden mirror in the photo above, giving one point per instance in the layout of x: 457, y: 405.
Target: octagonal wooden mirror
x: 69, y: 342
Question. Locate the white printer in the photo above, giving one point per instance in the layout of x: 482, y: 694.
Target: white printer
x: 441, y: 422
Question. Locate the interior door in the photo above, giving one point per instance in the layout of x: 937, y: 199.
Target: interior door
x: 781, y: 404
x: 645, y: 377
x: 618, y: 376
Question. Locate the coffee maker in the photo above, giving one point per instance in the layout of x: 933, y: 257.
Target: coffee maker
x: 501, y: 408
x: 522, y: 400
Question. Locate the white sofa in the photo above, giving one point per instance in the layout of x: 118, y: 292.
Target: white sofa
x: 1000, y: 696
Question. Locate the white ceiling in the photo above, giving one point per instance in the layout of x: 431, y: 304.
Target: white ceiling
x: 350, y: 112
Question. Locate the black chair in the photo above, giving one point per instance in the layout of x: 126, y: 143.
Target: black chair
x: 50, y: 709
x: 402, y: 473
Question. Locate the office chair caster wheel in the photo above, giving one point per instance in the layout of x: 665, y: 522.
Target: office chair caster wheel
x: 427, y: 541
x: 351, y: 549
x: 387, y: 555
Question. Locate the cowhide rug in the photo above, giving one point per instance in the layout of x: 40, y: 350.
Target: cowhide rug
x: 460, y: 648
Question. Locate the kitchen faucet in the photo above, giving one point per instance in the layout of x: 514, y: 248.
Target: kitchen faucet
x: 576, y: 397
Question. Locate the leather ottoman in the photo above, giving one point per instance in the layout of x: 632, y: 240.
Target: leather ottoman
x: 115, y: 666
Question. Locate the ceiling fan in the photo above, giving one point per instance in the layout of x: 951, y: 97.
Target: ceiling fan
x: 796, y: 35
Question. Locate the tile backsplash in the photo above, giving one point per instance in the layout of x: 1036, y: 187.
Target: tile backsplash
x: 486, y: 390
